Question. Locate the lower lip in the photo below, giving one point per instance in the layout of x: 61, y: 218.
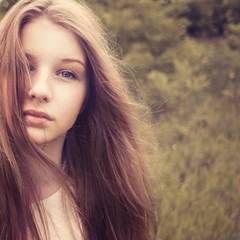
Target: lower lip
x: 35, y: 121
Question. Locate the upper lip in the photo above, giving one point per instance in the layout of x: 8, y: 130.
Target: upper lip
x: 37, y: 114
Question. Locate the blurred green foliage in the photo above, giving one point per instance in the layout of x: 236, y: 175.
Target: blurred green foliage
x: 185, y: 54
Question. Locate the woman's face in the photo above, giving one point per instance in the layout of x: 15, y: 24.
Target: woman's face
x: 58, y: 84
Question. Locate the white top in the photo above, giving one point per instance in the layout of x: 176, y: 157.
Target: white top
x: 60, y: 219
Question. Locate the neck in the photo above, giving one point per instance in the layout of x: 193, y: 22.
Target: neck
x: 46, y: 181
x: 53, y: 149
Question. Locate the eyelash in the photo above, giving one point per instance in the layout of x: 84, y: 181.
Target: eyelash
x: 31, y: 68
x: 72, y: 74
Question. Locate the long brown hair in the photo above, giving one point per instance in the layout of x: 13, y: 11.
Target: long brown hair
x: 102, y: 157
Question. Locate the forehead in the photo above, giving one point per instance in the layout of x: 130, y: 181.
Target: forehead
x: 43, y: 36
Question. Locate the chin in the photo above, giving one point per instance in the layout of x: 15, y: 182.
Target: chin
x: 38, y: 139
x: 43, y: 137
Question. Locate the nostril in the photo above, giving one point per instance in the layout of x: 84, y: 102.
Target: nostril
x: 39, y: 93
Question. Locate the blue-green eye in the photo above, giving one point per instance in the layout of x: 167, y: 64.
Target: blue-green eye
x: 68, y: 74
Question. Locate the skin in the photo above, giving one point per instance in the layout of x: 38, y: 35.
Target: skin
x: 55, y: 92
x: 58, y: 83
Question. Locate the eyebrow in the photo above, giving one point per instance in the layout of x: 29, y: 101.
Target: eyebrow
x: 64, y: 60
x: 70, y: 60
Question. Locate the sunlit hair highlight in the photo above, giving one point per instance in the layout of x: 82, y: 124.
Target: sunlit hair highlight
x: 102, y: 157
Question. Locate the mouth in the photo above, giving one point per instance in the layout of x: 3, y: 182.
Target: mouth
x: 36, y: 118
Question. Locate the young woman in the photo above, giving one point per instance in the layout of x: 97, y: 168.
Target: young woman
x: 71, y: 166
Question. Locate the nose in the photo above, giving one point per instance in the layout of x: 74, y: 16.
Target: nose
x: 40, y: 88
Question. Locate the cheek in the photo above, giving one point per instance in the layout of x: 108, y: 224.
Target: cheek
x: 69, y: 116
x: 71, y: 113
x: 72, y: 104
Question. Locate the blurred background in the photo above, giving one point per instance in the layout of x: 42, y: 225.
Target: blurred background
x: 186, y: 59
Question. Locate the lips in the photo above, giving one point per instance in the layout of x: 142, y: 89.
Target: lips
x: 36, y: 118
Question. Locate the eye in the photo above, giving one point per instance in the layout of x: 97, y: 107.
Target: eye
x: 31, y: 68
x: 68, y: 74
